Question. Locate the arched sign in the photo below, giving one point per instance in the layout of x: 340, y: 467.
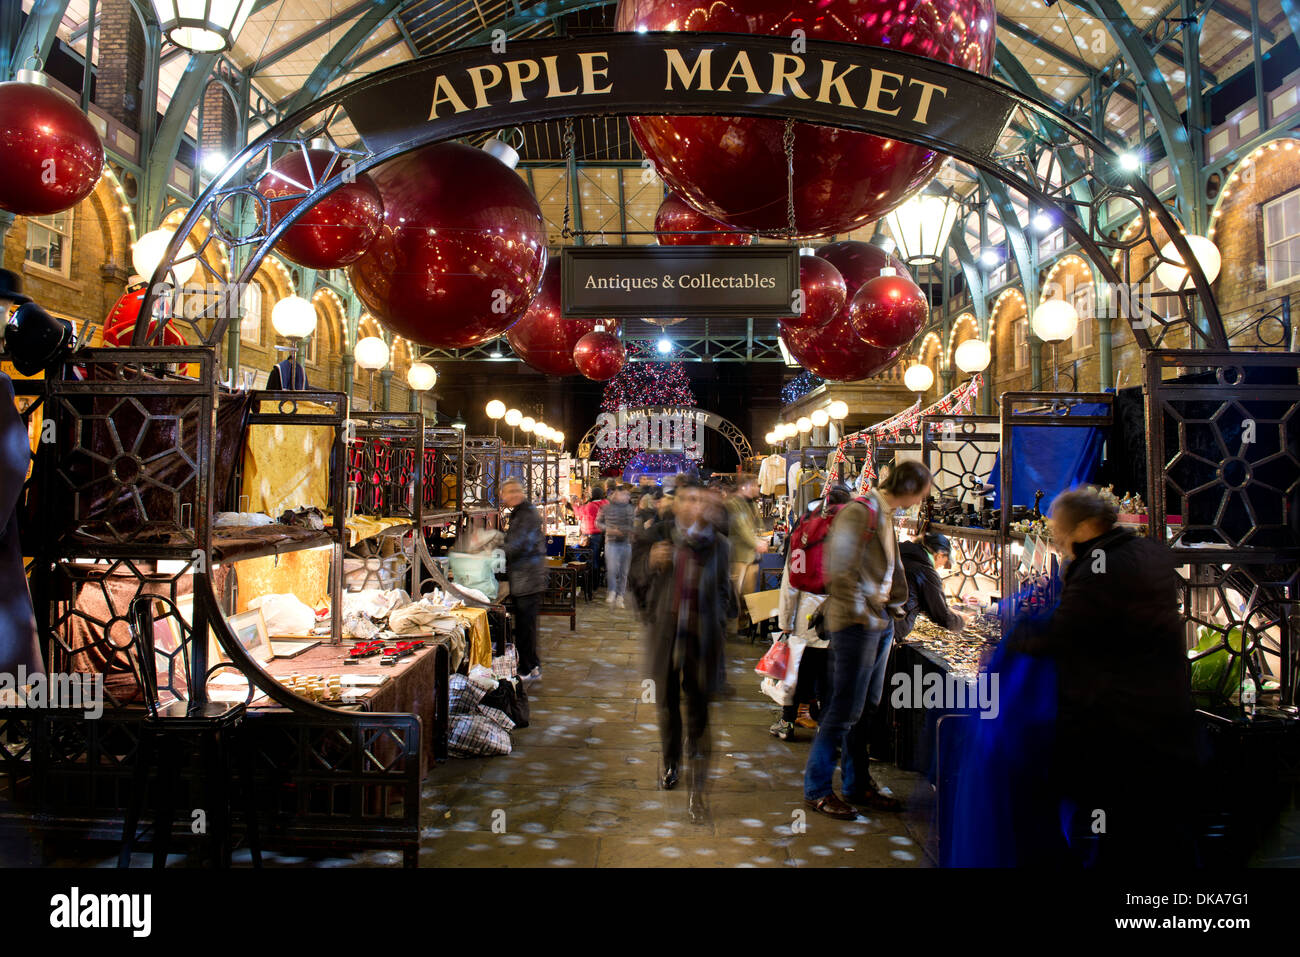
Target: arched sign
x: 660, y: 428
x: 878, y: 91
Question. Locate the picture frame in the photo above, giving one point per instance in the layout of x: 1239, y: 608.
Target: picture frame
x: 250, y: 629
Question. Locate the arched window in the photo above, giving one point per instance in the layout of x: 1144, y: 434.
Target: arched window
x: 250, y: 322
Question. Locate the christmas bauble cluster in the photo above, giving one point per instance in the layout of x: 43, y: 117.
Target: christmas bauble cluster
x: 50, y: 155
x: 734, y: 168
x: 547, y: 341
x: 880, y: 311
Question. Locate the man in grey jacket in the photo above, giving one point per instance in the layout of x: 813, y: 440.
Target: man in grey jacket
x: 616, y: 520
x: 525, y: 550
x: 867, y: 590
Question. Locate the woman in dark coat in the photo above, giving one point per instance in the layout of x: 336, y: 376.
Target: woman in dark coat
x: 690, y: 601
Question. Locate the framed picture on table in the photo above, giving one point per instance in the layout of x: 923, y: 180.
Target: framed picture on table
x: 250, y: 630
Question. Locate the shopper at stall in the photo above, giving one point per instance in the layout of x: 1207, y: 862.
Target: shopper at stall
x: 690, y: 601
x: 921, y: 562
x: 1123, y: 741
x: 616, y: 521
x: 525, y: 549
x: 742, y: 530
x: 867, y: 590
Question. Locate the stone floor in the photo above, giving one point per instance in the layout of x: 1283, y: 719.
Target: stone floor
x: 580, y: 788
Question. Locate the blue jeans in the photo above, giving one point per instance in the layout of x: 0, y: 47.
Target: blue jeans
x: 853, y: 654
x: 876, y: 690
x: 618, y: 558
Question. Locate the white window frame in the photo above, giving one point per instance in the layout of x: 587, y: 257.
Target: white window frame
x: 1271, y: 281
x: 1020, y: 329
x: 1085, y: 331
x: 47, y: 227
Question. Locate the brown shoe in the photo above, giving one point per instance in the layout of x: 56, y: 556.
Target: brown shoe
x: 805, y: 718
x: 832, y: 806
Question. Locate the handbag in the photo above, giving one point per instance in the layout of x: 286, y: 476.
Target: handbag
x: 775, y: 662
x: 510, y: 698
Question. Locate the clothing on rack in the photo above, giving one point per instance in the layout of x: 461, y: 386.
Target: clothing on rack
x: 772, y: 475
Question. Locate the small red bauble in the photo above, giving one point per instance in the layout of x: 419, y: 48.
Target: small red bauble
x: 888, y: 311
x: 50, y: 155
x: 734, y: 168
x: 677, y: 217
x: 461, y: 251
x: 543, y: 338
x: 835, y: 352
x: 599, y: 355
x: 824, y: 293
x: 338, y: 228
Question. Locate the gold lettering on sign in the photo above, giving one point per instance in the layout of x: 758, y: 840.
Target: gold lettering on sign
x: 927, y: 92
x: 831, y: 81
x: 703, y: 66
x: 878, y: 87
x: 444, y: 92
x: 782, y: 73
x: 741, y: 67
x: 553, y: 79
x: 589, y: 72
x: 515, y: 69
x: 481, y: 86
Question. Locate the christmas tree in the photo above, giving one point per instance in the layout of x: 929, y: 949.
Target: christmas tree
x: 641, y: 384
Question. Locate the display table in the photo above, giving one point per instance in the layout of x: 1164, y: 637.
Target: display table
x: 416, y: 685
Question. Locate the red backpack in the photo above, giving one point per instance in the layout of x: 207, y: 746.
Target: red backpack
x: 807, y: 567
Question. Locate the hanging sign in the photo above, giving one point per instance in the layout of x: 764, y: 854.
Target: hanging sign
x: 672, y: 282
x: 872, y: 90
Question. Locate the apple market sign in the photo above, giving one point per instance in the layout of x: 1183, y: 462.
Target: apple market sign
x: 839, y: 84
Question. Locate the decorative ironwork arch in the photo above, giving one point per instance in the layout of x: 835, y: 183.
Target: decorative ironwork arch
x: 231, y: 194
x: 727, y: 429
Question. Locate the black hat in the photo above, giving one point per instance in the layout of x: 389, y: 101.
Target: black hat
x: 11, y: 287
x: 935, y: 542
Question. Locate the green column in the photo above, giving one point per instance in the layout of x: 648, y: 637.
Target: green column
x: 1035, y: 364
x: 386, y: 380
x: 349, y: 364
x: 1105, y: 353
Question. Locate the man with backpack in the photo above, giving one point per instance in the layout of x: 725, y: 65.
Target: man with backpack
x: 867, y: 589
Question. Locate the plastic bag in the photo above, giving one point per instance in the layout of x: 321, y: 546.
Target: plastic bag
x: 776, y: 661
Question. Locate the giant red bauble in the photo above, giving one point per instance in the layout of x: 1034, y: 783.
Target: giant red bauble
x: 50, y: 155
x: 857, y: 262
x: 461, y: 252
x: 835, y: 352
x: 339, y: 227
x: 675, y: 216
x: 888, y: 311
x: 543, y: 338
x: 599, y: 355
x: 734, y: 168
x: 824, y: 293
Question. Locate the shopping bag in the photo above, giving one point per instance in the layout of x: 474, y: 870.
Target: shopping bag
x: 775, y: 662
x: 506, y: 665
x: 778, y: 691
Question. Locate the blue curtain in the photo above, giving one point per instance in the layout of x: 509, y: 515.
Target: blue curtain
x: 1051, y: 458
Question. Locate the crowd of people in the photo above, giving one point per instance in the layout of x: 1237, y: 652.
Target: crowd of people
x: 686, y: 556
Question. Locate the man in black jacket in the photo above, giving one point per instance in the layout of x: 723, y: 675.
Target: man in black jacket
x: 690, y: 601
x: 525, y: 549
x: 1124, y: 732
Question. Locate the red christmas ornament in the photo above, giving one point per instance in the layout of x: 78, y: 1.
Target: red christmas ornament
x: 835, y: 351
x: 858, y: 262
x: 888, y: 311
x: 734, y: 168
x: 599, y: 355
x: 824, y: 293
x: 461, y: 252
x: 339, y: 227
x: 676, y: 216
x: 50, y: 155
x: 543, y: 338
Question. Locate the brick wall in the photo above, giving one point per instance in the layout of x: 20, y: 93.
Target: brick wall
x: 121, y: 62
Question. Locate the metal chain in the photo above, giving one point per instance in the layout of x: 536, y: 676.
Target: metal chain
x: 788, y: 143
x: 569, y: 147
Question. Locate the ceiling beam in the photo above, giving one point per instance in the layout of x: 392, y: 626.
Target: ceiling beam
x: 333, y: 63
x: 37, y: 36
x: 308, y: 36
x: 1237, y: 18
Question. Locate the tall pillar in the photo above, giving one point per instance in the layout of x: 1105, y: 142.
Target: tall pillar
x: 119, y: 78
x: 386, y: 381
x: 1036, y: 364
x: 1105, y: 353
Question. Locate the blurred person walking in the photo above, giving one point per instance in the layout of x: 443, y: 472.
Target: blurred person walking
x: 742, y: 531
x: 867, y: 590
x: 525, y: 548
x: 638, y: 575
x: 689, y: 603
x: 616, y: 520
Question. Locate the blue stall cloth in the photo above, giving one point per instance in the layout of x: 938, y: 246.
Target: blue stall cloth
x: 657, y: 466
x: 1051, y: 458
